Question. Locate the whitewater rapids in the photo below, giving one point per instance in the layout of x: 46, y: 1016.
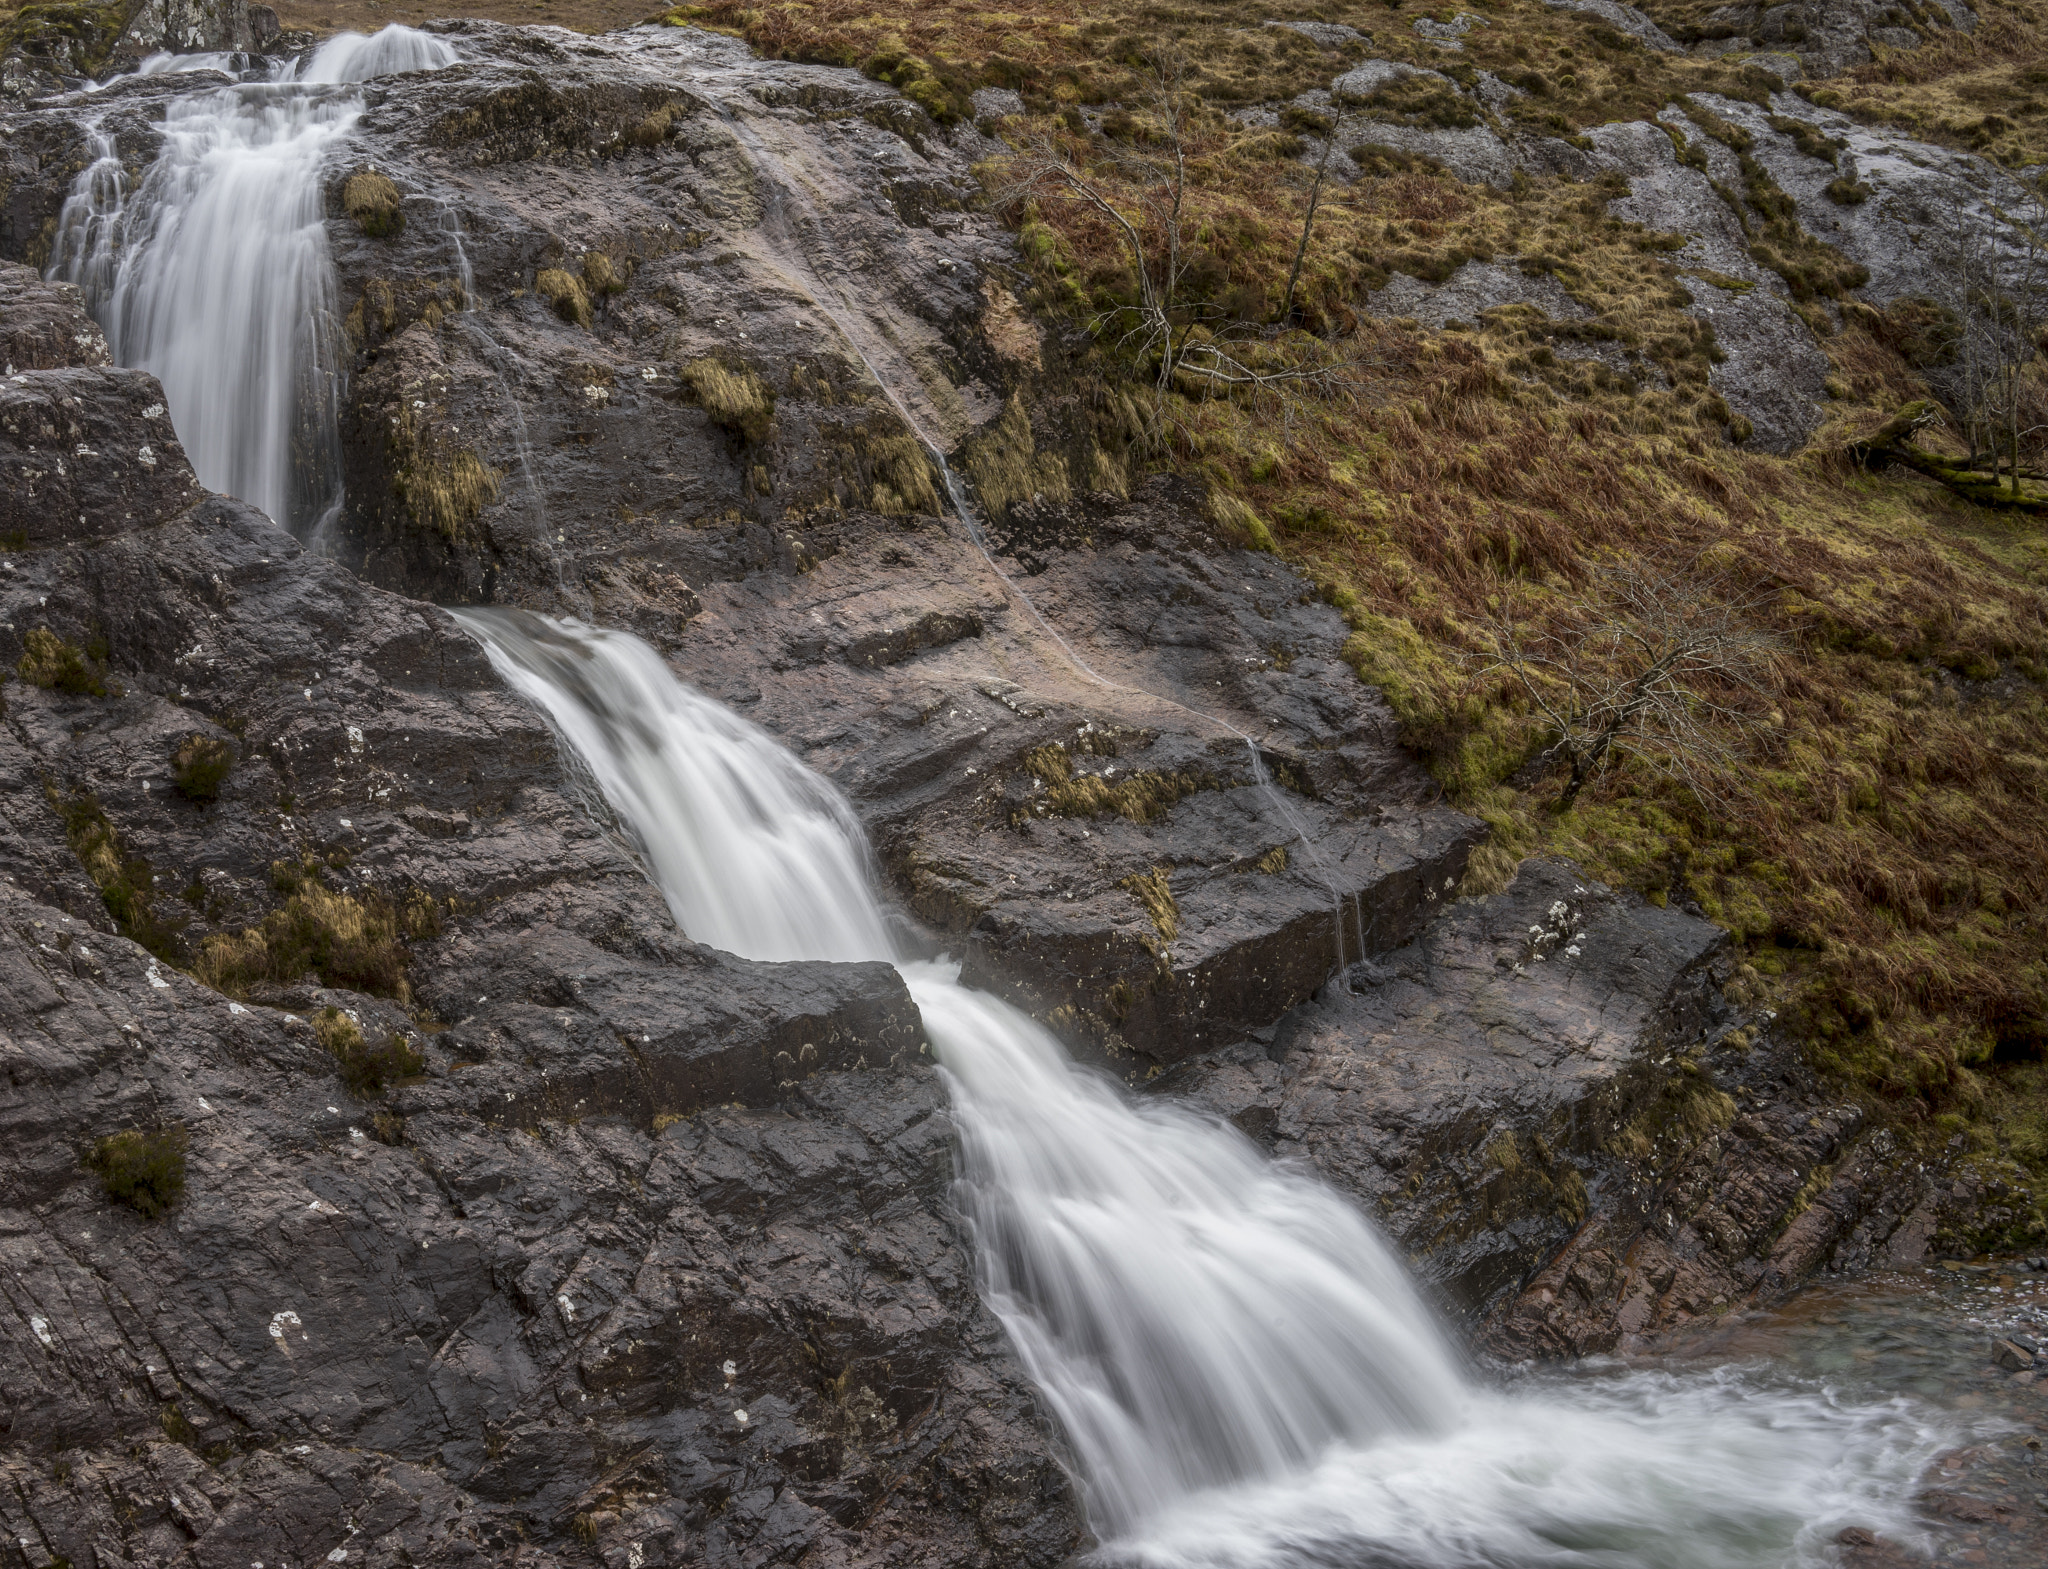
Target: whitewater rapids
x: 1244, y: 1371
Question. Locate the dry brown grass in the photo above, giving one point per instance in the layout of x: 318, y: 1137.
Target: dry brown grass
x: 1984, y: 91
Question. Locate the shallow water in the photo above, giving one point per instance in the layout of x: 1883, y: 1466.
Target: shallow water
x: 1925, y: 1334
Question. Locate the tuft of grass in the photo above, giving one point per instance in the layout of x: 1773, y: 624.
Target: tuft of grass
x: 347, y: 940
x: 373, y: 201
x: 1139, y: 796
x: 127, y: 883
x: 736, y: 399
x: 445, y: 488
x: 564, y: 292
x: 51, y: 663
x: 599, y: 275
x: 145, y: 1171
x: 1154, y: 890
x: 366, y: 1069
x: 200, y: 765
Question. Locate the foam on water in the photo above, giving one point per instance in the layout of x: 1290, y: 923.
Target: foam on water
x: 1245, y: 1373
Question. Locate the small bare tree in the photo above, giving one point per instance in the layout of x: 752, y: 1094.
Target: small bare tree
x: 1995, y: 286
x: 1663, y: 667
x: 1140, y: 189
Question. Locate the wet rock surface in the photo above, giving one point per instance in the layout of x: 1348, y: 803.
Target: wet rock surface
x: 649, y: 1259
x: 1082, y: 817
x: 1559, y: 1103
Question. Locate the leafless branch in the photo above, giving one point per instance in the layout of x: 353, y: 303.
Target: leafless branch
x: 1665, y: 667
x: 1141, y: 191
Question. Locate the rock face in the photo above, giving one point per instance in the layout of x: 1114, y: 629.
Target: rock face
x: 1082, y: 815
x: 1558, y: 1102
x: 636, y: 1189
x: 516, y: 1223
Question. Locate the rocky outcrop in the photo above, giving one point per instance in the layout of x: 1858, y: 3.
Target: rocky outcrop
x: 647, y: 1255
x: 1821, y: 37
x: 1563, y: 1103
x: 1082, y: 814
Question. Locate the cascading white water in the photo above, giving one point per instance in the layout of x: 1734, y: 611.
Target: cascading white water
x: 1244, y: 1371
x: 214, y: 273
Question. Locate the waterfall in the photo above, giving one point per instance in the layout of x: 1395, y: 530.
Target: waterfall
x: 1243, y: 1370
x: 214, y: 273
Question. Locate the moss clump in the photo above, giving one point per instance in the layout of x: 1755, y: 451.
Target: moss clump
x: 891, y: 472
x: 653, y: 131
x: 599, y: 275
x: 350, y: 940
x: 736, y: 400
x: 1139, y: 796
x: 199, y: 767
x: 375, y: 204
x: 51, y: 663
x: 145, y: 1171
x: 127, y: 884
x: 366, y: 1069
x: 448, y: 492
x: 444, y: 488
x: 1154, y: 890
x: 564, y: 291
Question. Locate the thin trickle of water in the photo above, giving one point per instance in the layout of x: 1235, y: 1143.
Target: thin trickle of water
x: 214, y: 275
x: 1243, y: 1371
x: 786, y: 212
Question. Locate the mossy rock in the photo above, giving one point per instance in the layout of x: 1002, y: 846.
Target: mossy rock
x: 565, y: 292
x: 72, y: 40
x: 374, y: 202
x: 145, y: 1171
x: 366, y: 1069
x: 200, y: 765
x: 51, y: 663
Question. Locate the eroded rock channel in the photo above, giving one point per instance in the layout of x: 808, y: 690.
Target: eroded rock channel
x: 626, y: 1248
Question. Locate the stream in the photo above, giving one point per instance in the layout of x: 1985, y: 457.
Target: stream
x: 1242, y: 1367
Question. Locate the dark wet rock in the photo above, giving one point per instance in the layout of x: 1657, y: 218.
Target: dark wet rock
x: 1461, y: 1085
x: 1101, y: 850
x: 1564, y: 1106
x: 85, y: 453
x: 522, y: 1297
x: 46, y: 327
x: 710, y: 207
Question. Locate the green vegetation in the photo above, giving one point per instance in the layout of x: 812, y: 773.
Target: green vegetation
x: 1139, y: 796
x: 347, y: 940
x: 1154, y: 890
x: 127, y: 883
x: 73, y: 40
x: 444, y: 487
x: 200, y: 766
x: 373, y: 201
x: 145, y: 1171
x: 736, y: 399
x: 367, y: 1070
x: 49, y: 662
x: 564, y: 291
